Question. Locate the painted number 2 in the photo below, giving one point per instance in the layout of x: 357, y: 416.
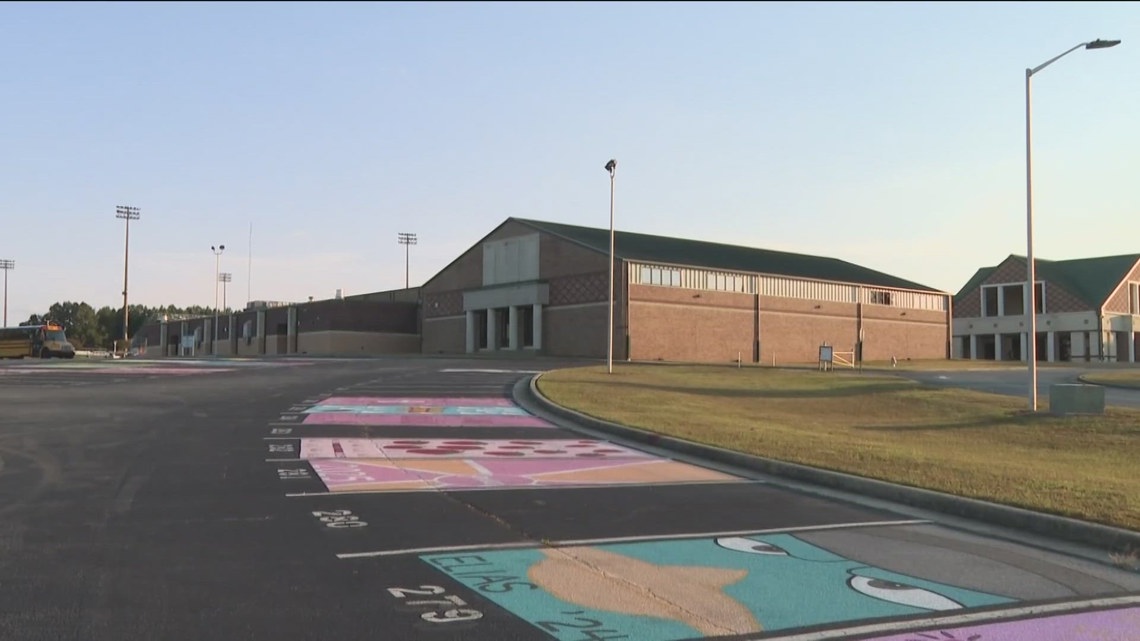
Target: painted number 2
x: 339, y: 519
x: 442, y: 608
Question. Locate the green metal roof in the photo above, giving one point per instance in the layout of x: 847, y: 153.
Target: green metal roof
x: 1091, y: 279
x: 678, y: 251
x: 975, y: 281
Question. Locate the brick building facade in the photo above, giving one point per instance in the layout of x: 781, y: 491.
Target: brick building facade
x: 1088, y: 309
x: 541, y: 287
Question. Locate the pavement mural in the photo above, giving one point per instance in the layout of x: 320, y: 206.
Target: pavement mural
x: 380, y: 475
x: 696, y: 588
x: 462, y: 448
x: 1099, y: 625
x: 427, y: 412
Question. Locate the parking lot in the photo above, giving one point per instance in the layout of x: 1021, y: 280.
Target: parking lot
x: 414, y: 498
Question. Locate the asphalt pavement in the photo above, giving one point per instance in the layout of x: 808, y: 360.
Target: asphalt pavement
x: 297, y: 498
x: 1015, y: 382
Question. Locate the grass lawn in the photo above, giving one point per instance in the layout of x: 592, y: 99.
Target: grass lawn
x: 966, y: 443
x: 1123, y: 379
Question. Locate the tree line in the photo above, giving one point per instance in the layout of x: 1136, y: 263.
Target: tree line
x: 87, y: 327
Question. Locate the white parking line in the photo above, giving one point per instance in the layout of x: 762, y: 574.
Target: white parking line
x: 631, y: 539
x: 943, y: 622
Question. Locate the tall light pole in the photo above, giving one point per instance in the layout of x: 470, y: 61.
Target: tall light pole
x: 224, y: 278
x: 1031, y: 276
x: 611, y: 167
x: 217, y: 263
x: 407, y: 240
x: 127, y: 214
x: 6, y: 265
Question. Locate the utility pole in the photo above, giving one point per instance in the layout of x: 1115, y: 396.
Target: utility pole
x: 406, y: 239
x: 128, y: 214
x: 611, y: 167
x: 7, y: 265
x: 217, y: 278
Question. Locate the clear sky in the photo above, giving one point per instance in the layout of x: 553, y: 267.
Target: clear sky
x: 888, y: 134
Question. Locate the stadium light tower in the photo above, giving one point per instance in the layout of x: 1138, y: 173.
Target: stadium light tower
x: 224, y: 278
x: 407, y: 240
x: 1031, y: 277
x: 7, y: 265
x: 217, y: 278
x: 127, y: 214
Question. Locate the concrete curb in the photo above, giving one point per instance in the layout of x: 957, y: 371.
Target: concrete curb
x: 1081, y: 378
x: 1072, y: 530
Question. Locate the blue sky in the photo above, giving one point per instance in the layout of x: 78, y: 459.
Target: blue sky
x: 888, y: 134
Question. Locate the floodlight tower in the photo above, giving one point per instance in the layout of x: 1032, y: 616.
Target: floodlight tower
x: 407, y: 240
x: 128, y: 214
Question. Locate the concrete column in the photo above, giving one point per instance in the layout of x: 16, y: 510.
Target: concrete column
x: 291, y: 331
x: 1050, y: 347
x: 973, y: 346
x: 1025, y: 342
x: 513, y: 328
x: 997, y: 346
x: 537, y: 327
x: 1001, y: 301
x: 1131, y: 347
x: 163, y: 338
x: 492, y: 330
x: 471, y: 328
x: 261, y: 332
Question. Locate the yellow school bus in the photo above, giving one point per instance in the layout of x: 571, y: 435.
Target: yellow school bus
x: 36, y: 341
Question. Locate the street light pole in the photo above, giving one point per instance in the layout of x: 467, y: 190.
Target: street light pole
x: 127, y: 214
x: 407, y: 240
x: 1030, y: 269
x: 217, y: 263
x: 6, y: 265
x: 611, y: 167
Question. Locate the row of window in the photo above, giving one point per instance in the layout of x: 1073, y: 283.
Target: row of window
x: 1009, y: 299
x: 695, y: 279
x: 703, y: 279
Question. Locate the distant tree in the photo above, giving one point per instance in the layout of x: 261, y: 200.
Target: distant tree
x: 79, y: 321
x: 87, y: 327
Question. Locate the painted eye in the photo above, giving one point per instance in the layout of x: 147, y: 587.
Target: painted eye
x: 902, y: 594
x: 741, y: 544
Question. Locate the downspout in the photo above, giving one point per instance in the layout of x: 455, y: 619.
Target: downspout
x: 756, y: 319
x: 625, y: 267
x: 950, y: 327
x: 859, y: 325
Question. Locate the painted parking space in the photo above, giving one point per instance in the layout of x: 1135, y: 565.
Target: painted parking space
x: 699, y: 588
x: 489, y: 530
x: 805, y: 585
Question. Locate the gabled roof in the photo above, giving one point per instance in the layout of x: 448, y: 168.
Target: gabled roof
x: 1092, y: 280
x: 679, y: 251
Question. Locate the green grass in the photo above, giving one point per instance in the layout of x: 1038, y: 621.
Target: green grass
x: 1122, y: 379
x: 958, y: 441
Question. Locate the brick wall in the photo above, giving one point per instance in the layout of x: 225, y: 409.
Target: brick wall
x: 445, y: 335
x: 579, y: 331
x: 672, y: 324
x: 792, y: 329
x: 350, y: 315
x: 466, y: 272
